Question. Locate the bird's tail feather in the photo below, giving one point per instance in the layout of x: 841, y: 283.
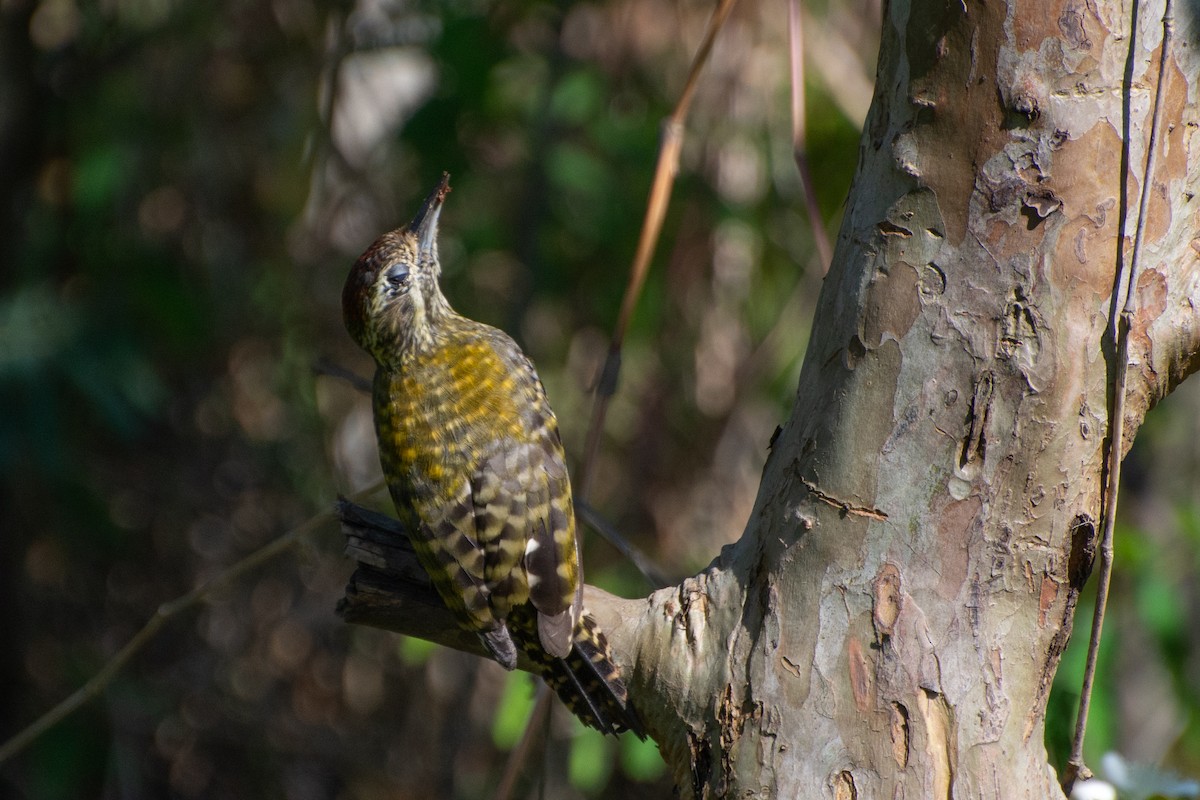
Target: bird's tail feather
x: 586, y: 679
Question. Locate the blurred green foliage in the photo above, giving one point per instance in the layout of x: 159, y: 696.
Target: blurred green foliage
x: 512, y: 712
x: 185, y: 187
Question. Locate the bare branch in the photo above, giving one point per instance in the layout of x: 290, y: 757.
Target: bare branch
x: 656, y: 211
x: 800, y: 135
x: 165, y: 613
x: 1075, y: 767
x: 653, y: 574
x: 391, y: 590
x: 325, y: 367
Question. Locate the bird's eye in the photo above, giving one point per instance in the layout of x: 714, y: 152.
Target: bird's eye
x: 398, y: 277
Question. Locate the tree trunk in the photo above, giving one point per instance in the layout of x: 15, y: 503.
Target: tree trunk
x: 890, y: 622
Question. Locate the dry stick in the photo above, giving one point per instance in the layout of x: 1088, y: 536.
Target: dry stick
x: 539, y: 712
x: 644, y: 564
x: 800, y: 135
x: 751, y: 366
x: 165, y: 613
x: 656, y: 210
x: 766, y: 347
x: 1075, y: 766
x: 323, y: 366
x: 840, y: 67
x: 759, y: 357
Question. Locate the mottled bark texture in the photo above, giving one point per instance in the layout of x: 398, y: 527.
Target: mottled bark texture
x: 890, y: 621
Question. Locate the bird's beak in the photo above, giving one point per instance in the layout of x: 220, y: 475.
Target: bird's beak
x: 425, y: 223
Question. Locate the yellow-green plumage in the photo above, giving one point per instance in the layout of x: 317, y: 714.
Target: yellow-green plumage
x: 472, y: 454
x: 473, y: 459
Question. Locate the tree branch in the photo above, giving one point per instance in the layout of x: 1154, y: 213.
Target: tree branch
x: 164, y: 614
x: 391, y: 590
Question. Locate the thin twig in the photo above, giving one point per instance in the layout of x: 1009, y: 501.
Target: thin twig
x: 165, y: 613
x: 800, y: 135
x: 645, y: 565
x: 539, y: 718
x: 1075, y: 767
x: 665, y: 171
x: 837, y: 62
x: 656, y: 210
x: 324, y: 366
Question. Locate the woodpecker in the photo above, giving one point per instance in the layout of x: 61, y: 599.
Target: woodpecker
x: 475, y: 466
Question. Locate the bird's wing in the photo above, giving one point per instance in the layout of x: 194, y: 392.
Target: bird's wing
x: 524, y: 520
x: 521, y: 494
x: 501, y: 504
x: 456, y: 559
x: 552, y: 555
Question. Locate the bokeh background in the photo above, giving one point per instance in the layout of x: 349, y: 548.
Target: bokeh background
x: 183, y: 187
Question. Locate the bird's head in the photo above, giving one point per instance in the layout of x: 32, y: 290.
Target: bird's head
x: 391, y: 300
